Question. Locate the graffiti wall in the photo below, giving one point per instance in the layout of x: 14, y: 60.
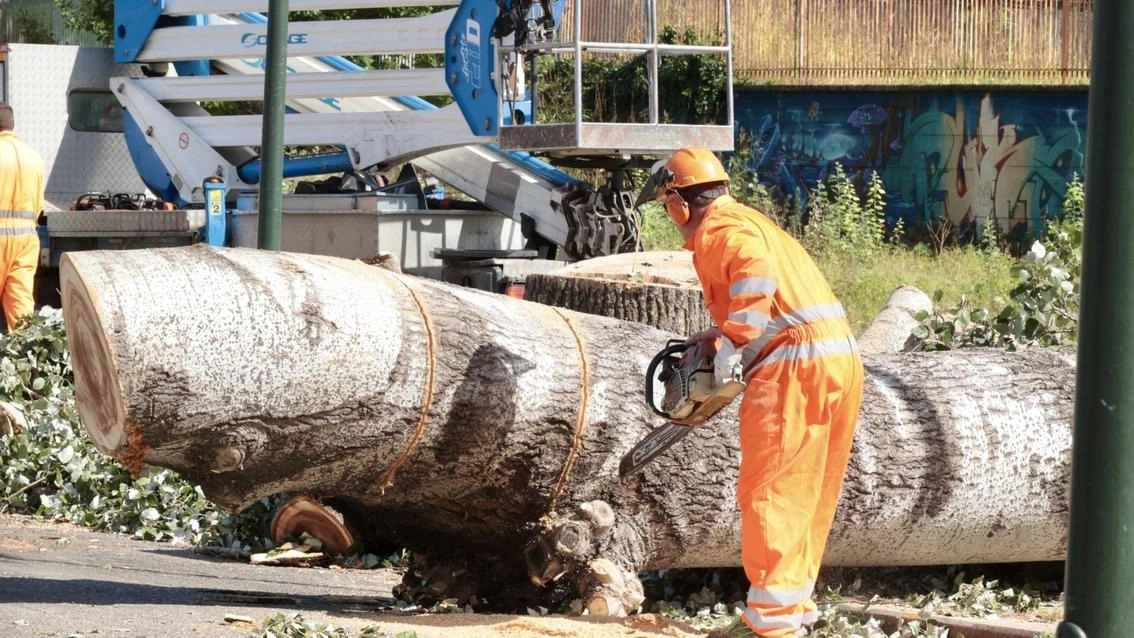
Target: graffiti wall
x: 962, y: 155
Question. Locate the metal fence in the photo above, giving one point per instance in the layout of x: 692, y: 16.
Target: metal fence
x: 39, y: 22
x: 878, y: 42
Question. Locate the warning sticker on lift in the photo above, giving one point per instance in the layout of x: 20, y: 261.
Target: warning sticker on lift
x: 470, y: 53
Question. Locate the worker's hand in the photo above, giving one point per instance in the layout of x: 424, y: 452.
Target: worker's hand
x: 703, y: 345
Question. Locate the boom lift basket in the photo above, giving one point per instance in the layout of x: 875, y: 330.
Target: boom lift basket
x: 650, y: 137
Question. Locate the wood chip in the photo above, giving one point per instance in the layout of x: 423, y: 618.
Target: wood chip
x: 237, y: 618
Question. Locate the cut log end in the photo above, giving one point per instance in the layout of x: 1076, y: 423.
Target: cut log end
x: 302, y: 514
x: 97, y: 393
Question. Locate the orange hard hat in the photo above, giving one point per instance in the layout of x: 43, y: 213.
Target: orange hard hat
x: 687, y: 167
x: 694, y: 165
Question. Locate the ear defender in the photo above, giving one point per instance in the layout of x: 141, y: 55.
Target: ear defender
x: 677, y: 208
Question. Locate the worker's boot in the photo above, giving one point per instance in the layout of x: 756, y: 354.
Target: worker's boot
x: 739, y: 629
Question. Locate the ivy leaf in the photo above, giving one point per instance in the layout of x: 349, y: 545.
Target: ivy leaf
x: 65, y: 455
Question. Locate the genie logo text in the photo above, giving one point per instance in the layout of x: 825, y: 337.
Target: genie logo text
x: 261, y: 39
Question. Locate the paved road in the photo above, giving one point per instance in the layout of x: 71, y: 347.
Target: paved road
x: 60, y: 580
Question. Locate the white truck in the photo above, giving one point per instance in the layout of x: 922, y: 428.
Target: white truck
x: 176, y: 55
x: 65, y: 111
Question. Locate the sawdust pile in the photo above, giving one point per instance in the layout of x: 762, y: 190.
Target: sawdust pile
x: 497, y: 625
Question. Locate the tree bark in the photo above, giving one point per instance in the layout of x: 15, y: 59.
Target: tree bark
x: 448, y: 419
x: 612, y: 286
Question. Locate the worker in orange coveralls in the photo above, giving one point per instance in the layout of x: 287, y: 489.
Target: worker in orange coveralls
x: 776, y: 318
x: 21, y: 201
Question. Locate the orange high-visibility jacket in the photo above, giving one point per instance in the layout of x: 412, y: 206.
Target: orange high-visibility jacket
x: 763, y: 290
x: 21, y: 185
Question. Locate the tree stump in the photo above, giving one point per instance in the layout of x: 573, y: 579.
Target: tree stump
x: 658, y: 288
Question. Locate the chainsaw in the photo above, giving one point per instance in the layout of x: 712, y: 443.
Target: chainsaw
x: 691, y: 395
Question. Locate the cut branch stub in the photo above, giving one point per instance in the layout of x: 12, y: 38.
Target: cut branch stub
x: 12, y: 419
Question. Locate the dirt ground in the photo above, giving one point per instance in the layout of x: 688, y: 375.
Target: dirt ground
x: 63, y: 580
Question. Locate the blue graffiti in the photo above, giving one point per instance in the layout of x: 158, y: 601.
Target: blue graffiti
x: 961, y: 155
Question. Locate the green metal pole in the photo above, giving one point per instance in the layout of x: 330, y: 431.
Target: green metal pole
x: 271, y: 143
x: 1100, y: 557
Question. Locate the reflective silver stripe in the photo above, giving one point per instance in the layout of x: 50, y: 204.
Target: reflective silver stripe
x: 780, y: 596
x: 17, y: 214
x: 759, y: 621
x: 752, y: 285
x: 806, y: 314
x: 810, y: 617
x: 8, y: 231
x: 810, y: 350
x: 754, y: 318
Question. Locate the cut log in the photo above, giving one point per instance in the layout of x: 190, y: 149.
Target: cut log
x: 891, y: 329
x: 612, y: 286
x: 449, y: 419
x: 302, y: 514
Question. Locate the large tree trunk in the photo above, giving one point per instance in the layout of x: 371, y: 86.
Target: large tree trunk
x: 444, y: 417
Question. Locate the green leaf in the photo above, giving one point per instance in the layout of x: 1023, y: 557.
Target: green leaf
x: 65, y: 455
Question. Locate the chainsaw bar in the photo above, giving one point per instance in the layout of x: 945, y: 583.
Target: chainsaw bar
x: 652, y: 446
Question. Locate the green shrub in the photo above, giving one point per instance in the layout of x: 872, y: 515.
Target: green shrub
x: 658, y: 231
x: 1043, y: 307
x: 842, y: 221
x: 746, y: 188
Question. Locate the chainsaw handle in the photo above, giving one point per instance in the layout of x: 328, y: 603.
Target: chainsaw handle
x: 672, y: 347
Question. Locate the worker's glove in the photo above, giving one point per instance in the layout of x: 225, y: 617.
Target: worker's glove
x: 726, y: 363
x: 703, y: 345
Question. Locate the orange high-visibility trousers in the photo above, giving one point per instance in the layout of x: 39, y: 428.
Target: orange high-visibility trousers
x: 19, y: 256
x: 797, y: 420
